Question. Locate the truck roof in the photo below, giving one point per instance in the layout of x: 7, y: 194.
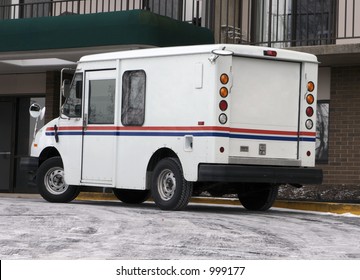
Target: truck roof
x: 238, y: 50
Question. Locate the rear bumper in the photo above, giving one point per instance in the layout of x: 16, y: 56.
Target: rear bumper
x: 259, y: 174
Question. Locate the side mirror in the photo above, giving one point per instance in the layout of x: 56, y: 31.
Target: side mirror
x: 36, y: 111
x: 65, y: 88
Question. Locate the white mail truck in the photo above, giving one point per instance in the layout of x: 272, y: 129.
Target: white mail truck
x: 175, y: 122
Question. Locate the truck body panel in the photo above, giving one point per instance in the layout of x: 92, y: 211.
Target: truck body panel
x: 137, y: 107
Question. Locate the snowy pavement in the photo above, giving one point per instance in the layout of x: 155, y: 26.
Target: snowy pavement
x: 36, y: 229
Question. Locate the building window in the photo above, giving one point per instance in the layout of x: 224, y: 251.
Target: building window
x: 133, y: 98
x: 173, y: 9
x: 101, y: 101
x: 285, y: 23
x: 5, y: 9
x: 313, y: 23
x: 322, y: 132
x: 35, y: 8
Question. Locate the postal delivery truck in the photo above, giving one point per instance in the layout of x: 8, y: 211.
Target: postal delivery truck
x: 174, y: 122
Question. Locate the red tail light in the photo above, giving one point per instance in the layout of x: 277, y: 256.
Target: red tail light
x: 309, y: 111
x: 223, y: 105
x: 270, y: 53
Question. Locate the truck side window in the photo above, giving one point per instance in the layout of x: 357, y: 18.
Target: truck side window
x: 73, y: 104
x: 133, y: 98
x: 101, y: 101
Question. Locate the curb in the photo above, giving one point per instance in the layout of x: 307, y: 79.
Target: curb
x: 95, y: 196
x: 327, y: 207
x: 337, y: 208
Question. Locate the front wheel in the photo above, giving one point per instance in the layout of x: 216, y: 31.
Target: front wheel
x: 259, y: 197
x: 169, y: 188
x: 51, y: 183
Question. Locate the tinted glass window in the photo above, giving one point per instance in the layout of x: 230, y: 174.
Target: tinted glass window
x: 101, y: 101
x: 133, y: 98
x: 73, y: 104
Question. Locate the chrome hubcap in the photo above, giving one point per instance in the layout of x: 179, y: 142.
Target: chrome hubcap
x: 54, y: 181
x: 166, y: 184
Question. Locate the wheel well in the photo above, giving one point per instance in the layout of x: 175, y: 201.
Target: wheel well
x: 47, y: 153
x: 159, y: 155
x: 156, y: 157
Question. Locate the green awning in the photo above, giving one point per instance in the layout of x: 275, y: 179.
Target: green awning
x: 136, y: 27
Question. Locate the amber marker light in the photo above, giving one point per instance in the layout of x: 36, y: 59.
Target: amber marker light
x: 224, y: 92
x: 310, y: 86
x: 310, y: 99
x: 224, y: 79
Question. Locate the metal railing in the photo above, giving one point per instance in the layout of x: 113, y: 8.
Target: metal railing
x: 184, y: 10
x: 277, y: 23
x: 284, y: 23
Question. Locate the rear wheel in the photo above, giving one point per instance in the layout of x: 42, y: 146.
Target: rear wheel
x: 169, y: 188
x: 132, y: 196
x: 259, y: 197
x: 51, y: 183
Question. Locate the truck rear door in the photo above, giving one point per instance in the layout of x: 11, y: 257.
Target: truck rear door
x: 264, y: 122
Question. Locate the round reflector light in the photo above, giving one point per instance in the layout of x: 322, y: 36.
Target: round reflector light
x: 224, y: 92
x: 310, y: 99
x: 309, y: 124
x: 310, y: 86
x: 224, y: 79
x: 223, y: 119
x: 223, y: 105
x: 309, y: 111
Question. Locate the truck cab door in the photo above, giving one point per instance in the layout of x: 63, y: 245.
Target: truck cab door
x: 99, y: 130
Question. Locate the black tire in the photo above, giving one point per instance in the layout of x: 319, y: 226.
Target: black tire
x: 169, y: 188
x: 132, y: 196
x: 259, y: 198
x: 51, y: 184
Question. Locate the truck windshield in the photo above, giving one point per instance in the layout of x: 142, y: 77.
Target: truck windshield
x: 72, y: 106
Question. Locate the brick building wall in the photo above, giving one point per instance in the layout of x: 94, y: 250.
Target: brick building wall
x: 343, y: 167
